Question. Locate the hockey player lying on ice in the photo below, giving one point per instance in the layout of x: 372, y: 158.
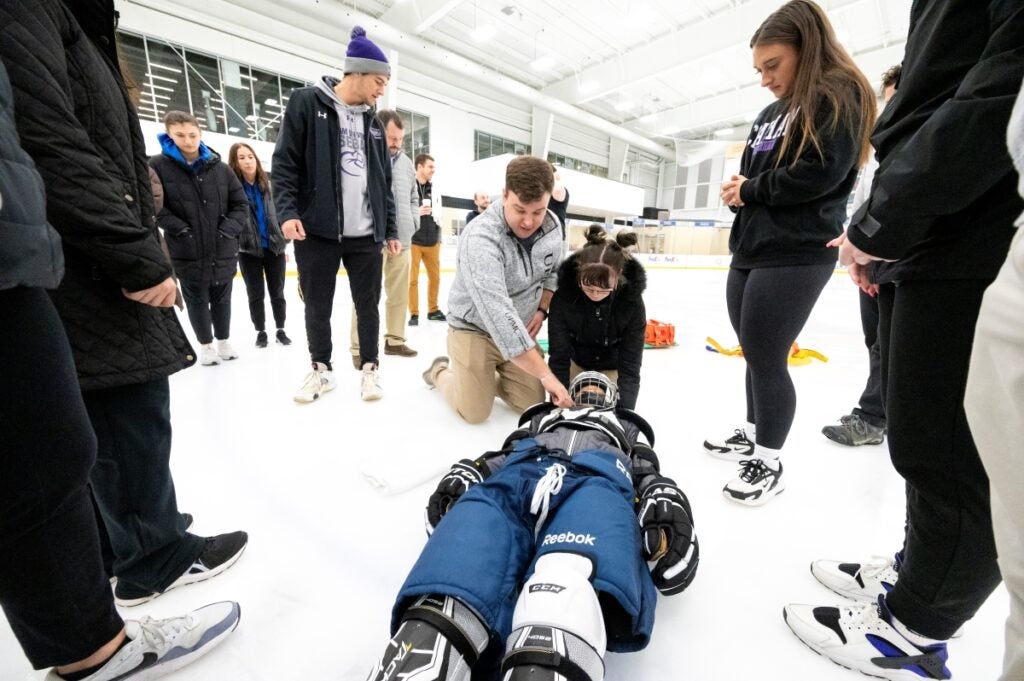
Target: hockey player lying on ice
x: 543, y: 554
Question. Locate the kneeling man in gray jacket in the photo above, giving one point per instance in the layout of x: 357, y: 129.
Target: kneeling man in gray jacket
x: 505, y: 276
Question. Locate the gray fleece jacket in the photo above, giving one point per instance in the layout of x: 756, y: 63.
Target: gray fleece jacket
x: 407, y: 199
x: 498, y: 284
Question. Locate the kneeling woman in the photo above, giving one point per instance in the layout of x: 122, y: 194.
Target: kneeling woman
x: 597, y: 317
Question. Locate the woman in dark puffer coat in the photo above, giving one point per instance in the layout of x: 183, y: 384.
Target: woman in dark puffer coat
x: 597, y: 317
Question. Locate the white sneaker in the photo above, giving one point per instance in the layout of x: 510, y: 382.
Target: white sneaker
x: 225, y: 351
x: 861, y: 637
x: 755, y: 485
x: 863, y: 582
x: 371, y: 389
x: 737, y: 447
x: 319, y: 381
x: 159, y: 647
x: 207, y: 355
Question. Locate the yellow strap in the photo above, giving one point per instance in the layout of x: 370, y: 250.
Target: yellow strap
x: 732, y: 352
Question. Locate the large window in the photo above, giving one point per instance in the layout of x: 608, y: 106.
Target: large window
x: 164, y: 87
x: 487, y: 145
x: 417, y: 133
x: 224, y: 95
x: 575, y: 164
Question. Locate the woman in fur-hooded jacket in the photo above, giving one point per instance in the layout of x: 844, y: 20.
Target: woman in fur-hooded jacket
x: 597, y: 316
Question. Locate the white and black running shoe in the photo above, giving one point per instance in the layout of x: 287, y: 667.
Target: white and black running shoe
x: 737, y: 447
x: 756, y: 483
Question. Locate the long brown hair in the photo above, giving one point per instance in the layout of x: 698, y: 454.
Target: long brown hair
x: 603, y: 258
x: 824, y: 69
x: 262, y: 181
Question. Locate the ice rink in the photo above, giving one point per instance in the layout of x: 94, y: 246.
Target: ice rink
x: 328, y: 550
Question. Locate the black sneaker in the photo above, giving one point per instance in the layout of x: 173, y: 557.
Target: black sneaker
x: 437, y: 316
x: 283, y: 338
x: 414, y: 320
x: 219, y: 553
x: 261, y: 339
x: 854, y: 431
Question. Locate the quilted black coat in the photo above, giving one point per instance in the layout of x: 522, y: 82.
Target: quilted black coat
x: 77, y: 123
x: 605, y: 335
x: 204, y: 213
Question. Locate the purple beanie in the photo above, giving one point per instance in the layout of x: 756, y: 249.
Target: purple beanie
x: 363, y: 56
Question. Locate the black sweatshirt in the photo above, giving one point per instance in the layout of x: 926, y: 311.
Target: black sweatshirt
x: 791, y: 211
x: 944, y: 197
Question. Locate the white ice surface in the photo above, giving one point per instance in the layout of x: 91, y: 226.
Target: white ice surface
x: 328, y: 551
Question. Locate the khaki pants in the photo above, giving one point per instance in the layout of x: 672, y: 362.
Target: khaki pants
x: 995, y: 410
x: 431, y: 257
x: 478, y: 373
x: 396, y: 292
x: 575, y: 370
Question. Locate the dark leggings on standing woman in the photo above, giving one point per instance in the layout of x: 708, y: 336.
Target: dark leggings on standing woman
x: 768, y: 308
x: 53, y: 589
x: 255, y: 270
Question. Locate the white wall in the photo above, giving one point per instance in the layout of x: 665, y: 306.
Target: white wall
x: 218, y: 142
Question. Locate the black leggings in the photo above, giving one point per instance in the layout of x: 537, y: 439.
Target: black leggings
x: 768, y: 307
x: 53, y: 589
x: 256, y: 269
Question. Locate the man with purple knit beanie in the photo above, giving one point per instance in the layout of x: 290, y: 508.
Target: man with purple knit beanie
x: 332, y: 190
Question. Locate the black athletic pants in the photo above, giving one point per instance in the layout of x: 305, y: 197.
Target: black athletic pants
x: 870, y: 406
x: 133, y: 487
x: 256, y: 269
x: 318, y: 260
x: 53, y: 588
x: 768, y: 307
x: 926, y: 331
x: 208, y: 305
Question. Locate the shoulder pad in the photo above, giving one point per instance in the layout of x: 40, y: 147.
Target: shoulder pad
x: 638, y: 421
x: 535, y: 410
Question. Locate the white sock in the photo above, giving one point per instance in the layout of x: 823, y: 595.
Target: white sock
x: 751, y: 431
x: 768, y: 455
x: 912, y: 636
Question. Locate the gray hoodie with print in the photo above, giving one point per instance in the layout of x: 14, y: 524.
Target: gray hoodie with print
x: 498, y: 284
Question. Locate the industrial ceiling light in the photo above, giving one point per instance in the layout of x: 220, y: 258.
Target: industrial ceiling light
x: 484, y: 33
x: 542, y: 63
x: 625, y: 105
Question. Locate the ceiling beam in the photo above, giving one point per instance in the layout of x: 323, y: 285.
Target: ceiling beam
x: 693, y: 43
x: 729, y: 108
x: 418, y: 15
x: 276, y: 22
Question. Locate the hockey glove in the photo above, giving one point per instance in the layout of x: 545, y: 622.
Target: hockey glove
x: 669, y: 541
x: 452, y: 486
